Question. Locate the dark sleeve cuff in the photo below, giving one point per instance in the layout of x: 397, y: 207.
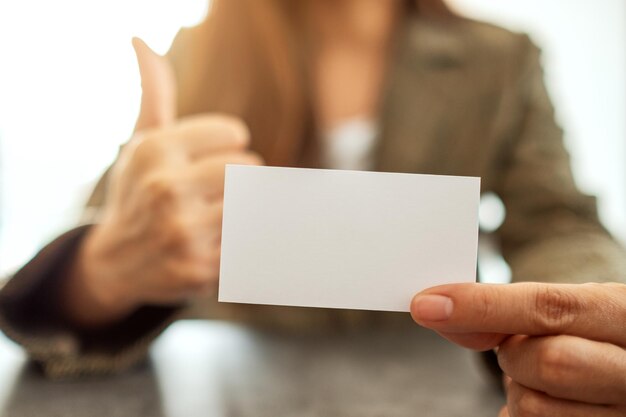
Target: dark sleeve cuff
x: 31, y: 315
x: 29, y: 300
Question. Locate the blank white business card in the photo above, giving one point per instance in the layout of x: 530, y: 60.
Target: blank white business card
x: 344, y: 239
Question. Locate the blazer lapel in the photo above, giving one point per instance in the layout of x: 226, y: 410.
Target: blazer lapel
x: 427, y: 74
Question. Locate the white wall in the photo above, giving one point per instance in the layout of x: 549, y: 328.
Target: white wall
x: 584, y: 45
x: 69, y: 94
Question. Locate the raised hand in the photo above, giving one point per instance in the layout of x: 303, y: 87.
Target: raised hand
x: 159, y: 239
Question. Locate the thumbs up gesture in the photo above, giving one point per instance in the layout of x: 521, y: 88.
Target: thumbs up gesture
x: 159, y: 238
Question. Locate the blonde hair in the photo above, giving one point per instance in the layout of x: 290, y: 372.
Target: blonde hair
x: 249, y: 58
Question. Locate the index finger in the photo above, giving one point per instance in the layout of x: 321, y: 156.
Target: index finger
x: 593, y: 311
x: 192, y: 138
x: 205, y: 134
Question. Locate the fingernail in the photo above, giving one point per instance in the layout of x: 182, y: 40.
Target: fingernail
x: 432, y: 307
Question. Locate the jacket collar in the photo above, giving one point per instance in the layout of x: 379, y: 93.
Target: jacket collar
x: 428, y: 71
x: 434, y: 44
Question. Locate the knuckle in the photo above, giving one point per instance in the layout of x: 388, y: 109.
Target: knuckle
x: 199, y: 275
x: 503, y: 356
x: 172, y: 270
x: 527, y: 404
x: 199, y: 266
x: 183, y: 274
x: 159, y: 190
x: 555, y: 309
x: 235, y: 125
x: 147, y: 147
x: 173, y: 236
x: 179, y: 236
x: 232, y: 127
x: 193, y: 280
x: 483, y: 302
x: 553, y: 363
x: 198, y: 282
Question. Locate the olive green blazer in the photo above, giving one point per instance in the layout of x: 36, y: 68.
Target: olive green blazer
x: 463, y: 98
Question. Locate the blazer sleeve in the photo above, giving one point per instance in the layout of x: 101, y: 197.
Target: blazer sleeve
x: 31, y: 315
x: 551, y: 232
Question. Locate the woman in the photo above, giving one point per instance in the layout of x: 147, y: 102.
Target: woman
x: 392, y: 86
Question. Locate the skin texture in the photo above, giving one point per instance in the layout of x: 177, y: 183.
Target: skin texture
x: 561, y: 347
x: 349, y: 34
x: 159, y: 240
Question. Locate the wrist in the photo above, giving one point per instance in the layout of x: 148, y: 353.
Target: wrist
x: 93, y: 295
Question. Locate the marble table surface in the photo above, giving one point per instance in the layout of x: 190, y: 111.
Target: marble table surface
x: 210, y: 368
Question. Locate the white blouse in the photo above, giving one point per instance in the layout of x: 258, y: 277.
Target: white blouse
x: 350, y: 145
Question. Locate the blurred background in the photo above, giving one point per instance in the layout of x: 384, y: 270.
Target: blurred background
x: 70, y: 89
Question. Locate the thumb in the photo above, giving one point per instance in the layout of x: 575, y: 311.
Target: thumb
x: 158, y: 85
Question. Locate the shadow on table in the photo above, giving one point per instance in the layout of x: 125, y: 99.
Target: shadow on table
x: 134, y: 393
x: 201, y: 368
x: 397, y: 372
